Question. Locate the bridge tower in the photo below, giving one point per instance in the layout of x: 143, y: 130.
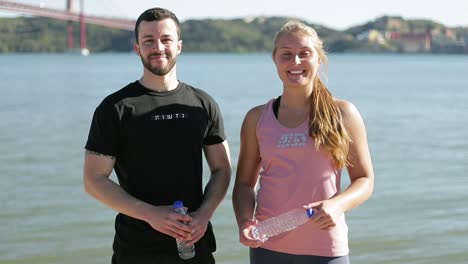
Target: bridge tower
x: 83, y: 49
x: 69, y: 26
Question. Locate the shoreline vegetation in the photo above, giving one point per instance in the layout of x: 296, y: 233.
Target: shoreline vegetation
x: 386, y: 34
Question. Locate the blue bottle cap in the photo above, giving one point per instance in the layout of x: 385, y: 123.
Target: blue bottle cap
x: 310, y: 212
x: 178, y: 204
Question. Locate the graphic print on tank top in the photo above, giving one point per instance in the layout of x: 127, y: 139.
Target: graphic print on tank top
x: 292, y: 140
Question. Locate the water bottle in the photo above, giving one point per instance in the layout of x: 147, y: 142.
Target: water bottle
x: 281, y: 223
x: 185, y: 252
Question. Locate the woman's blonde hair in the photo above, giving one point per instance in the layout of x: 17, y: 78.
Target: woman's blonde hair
x: 326, y: 122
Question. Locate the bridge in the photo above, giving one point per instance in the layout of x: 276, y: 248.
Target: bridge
x: 70, y: 16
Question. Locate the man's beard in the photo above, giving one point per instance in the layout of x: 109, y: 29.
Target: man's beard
x: 160, y: 71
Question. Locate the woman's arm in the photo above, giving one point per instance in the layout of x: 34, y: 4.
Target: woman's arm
x: 360, y: 171
x: 248, y: 168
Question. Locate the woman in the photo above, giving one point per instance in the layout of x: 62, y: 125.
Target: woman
x: 296, y: 145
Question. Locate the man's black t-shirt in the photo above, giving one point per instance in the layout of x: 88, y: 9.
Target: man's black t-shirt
x: 157, y: 139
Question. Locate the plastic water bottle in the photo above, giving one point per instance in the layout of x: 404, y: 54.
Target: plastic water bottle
x: 185, y: 252
x: 281, y: 223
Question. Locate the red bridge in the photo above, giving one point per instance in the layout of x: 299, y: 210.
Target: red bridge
x: 70, y: 16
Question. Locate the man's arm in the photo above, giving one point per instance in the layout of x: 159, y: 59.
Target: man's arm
x: 219, y: 161
x: 96, y: 173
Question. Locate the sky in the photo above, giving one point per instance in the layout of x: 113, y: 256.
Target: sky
x: 337, y: 14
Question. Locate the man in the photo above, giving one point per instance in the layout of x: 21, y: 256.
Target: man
x: 153, y: 133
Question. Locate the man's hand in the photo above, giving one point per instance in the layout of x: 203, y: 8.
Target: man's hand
x: 199, y: 224
x: 165, y: 220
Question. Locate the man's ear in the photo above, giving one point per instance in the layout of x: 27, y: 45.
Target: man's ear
x: 179, y: 46
x: 136, y: 48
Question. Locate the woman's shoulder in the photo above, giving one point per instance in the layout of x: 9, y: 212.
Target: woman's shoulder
x: 350, y: 114
x: 253, y: 116
x: 348, y: 109
x: 256, y: 111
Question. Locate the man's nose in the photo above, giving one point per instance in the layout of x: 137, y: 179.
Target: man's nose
x: 158, y: 45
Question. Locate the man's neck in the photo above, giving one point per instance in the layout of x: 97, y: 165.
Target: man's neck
x: 158, y: 83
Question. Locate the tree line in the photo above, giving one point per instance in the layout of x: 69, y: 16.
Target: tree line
x: 243, y: 35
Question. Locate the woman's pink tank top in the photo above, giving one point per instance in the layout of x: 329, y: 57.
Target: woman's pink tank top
x: 295, y: 173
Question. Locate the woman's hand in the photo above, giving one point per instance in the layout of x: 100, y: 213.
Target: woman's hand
x: 326, y: 213
x: 245, y: 234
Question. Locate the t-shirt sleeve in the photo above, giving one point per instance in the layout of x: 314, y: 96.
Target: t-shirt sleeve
x: 104, y: 131
x: 215, y: 134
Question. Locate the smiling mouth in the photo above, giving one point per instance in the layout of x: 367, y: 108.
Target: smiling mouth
x: 295, y: 72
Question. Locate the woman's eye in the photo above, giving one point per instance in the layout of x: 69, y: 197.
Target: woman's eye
x: 305, y: 54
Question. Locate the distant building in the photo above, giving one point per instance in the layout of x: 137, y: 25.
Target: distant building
x: 372, y: 36
x: 411, y: 42
x: 450, y: 34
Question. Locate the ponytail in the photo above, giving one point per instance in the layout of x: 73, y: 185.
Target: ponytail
x: 326, y: 125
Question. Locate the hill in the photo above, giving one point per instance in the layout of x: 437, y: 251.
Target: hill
x: 255, y: 34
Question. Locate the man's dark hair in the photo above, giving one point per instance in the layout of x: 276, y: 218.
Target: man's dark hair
x: 156, y: 14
